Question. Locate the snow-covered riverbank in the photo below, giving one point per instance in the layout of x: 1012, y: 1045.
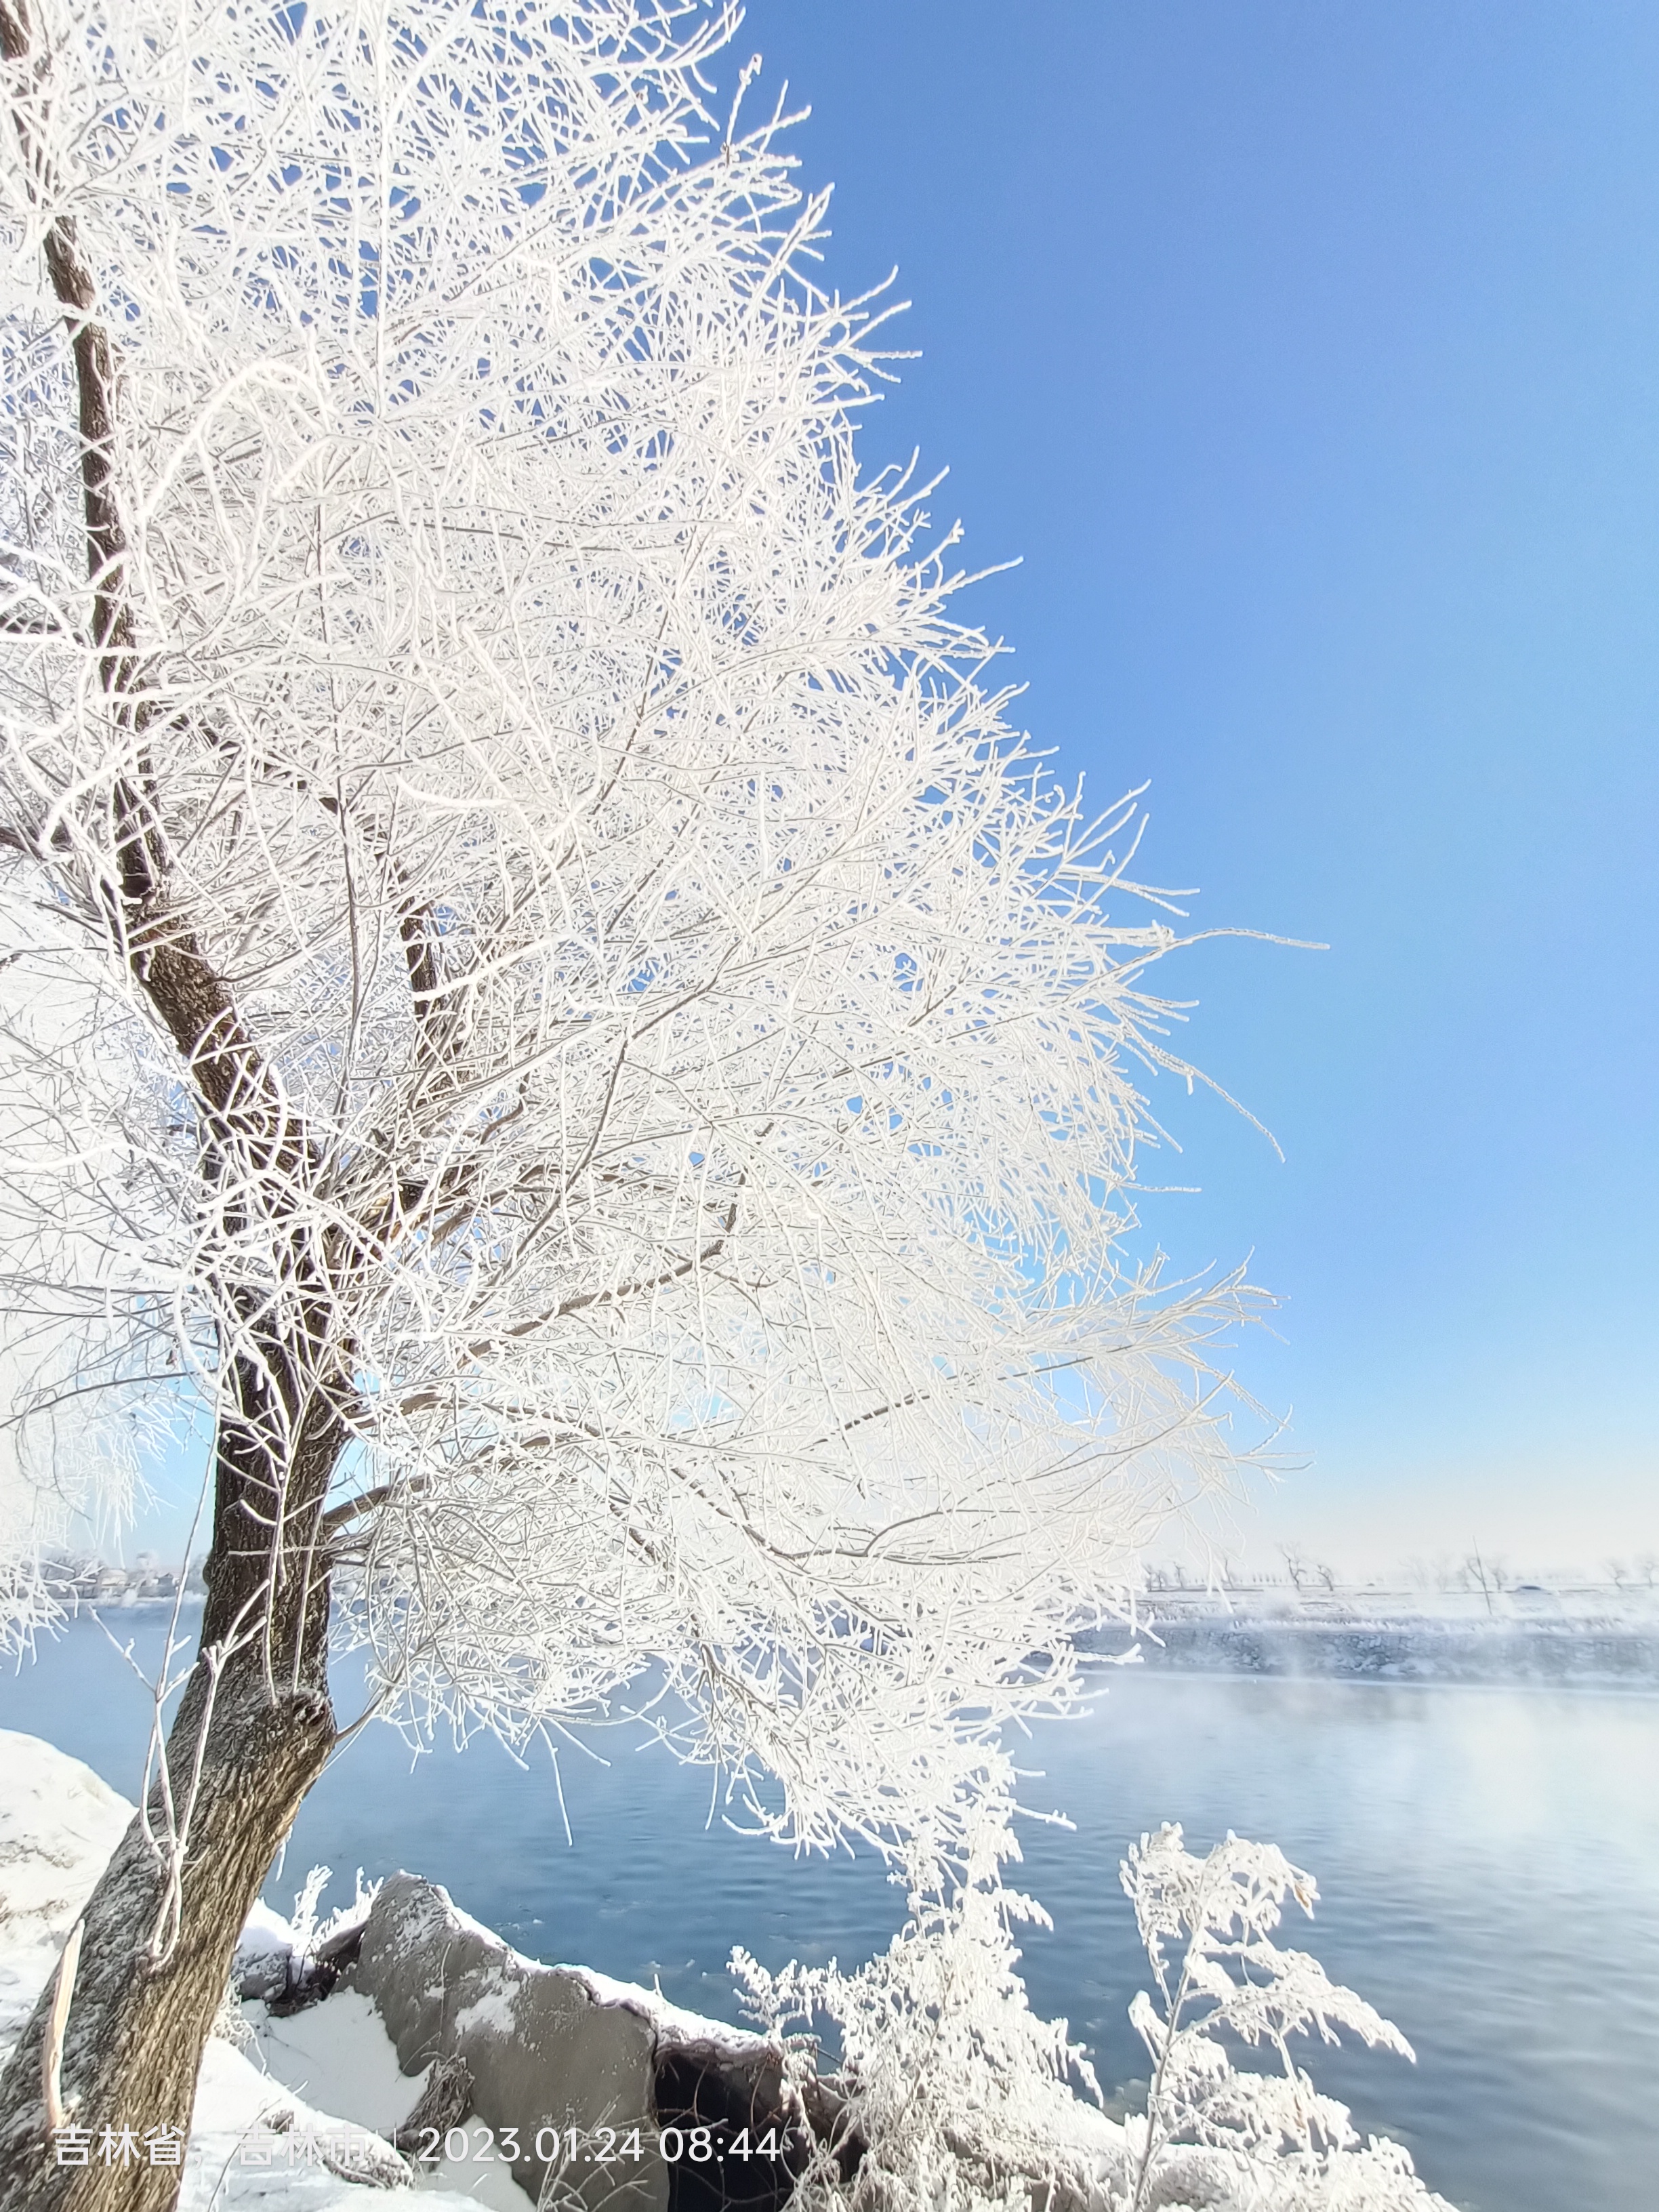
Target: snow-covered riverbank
x: 308, y: 2089
x: 1557, y: 1632
x: 1597, y: 1635
x: 398, y: 2048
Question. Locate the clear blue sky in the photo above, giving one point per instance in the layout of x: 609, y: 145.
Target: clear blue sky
x: 1309, y: 356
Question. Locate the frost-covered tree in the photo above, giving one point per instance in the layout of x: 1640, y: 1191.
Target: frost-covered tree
x: 547, y: 1015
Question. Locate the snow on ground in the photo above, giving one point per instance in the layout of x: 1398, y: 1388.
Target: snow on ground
x: 340, y: 2049
x: 1557, y: 1602
x: 321, y: 2084
x: 58, y: 1823
x: 339, y: 2052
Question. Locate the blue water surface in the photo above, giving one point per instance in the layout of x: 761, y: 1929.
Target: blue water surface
x: 1488, y: 1863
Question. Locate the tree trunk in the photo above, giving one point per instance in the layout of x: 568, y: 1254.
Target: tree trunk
x: 256, y: 1710
x: 255, y: 1726
x: 132, y: 2047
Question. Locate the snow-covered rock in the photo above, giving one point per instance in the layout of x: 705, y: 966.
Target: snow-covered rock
x: 555, y: 2056
x: 58, y: 1823
x: 338, y: 2052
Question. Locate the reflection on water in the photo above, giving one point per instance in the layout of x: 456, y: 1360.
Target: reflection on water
x: 1488, y: 1860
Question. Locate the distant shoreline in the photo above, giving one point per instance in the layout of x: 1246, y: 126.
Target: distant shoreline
x: 1590, y: 1651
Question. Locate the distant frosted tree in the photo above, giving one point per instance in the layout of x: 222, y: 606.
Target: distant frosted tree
x: 547, y: 1013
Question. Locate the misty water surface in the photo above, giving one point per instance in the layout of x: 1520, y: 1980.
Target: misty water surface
x: 1488, y: 1860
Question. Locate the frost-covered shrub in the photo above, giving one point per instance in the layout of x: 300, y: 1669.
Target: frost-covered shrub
x: 1215, y: 2133
x: 311, y: 1932
x: 959, y: 2099
x: 957, y: 2093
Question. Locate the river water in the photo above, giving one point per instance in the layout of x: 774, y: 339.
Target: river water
x: 1488, y: 1861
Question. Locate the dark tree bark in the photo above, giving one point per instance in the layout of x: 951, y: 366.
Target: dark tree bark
x: 255, y: 1726
x: 132, y: 2047
x: 262, y: 1727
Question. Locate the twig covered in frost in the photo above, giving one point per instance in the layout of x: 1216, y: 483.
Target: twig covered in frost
x: 1214, y: 2132
x: 311, y: 1933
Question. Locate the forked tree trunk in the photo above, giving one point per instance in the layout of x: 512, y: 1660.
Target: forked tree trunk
x: 135, y: 2029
